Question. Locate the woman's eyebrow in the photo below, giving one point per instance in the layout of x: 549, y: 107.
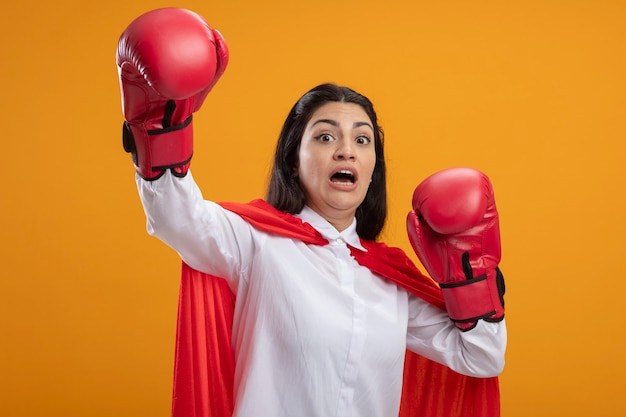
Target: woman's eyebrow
x: 336, y: 123
x: 359, y: 124
x: 329, y: 121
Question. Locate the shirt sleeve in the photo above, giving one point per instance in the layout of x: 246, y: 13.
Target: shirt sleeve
x: 207, y: 237
x: 478, y: 352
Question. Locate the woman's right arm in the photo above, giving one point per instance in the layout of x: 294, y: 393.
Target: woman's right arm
x: 206, y: 236
x: 163, y: 82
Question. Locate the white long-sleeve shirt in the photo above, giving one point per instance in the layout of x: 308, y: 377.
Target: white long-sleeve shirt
x: 314, y: 333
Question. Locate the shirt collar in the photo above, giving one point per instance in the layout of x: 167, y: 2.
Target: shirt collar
x: 329, y: 232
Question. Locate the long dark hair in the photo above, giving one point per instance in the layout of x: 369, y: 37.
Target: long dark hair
x: 284, y: 191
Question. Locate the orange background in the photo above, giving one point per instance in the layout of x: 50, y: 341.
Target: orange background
x: 533, y: 93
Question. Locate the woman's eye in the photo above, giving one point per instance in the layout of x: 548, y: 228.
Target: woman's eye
x: 325, y: 137
x: 363, y: 140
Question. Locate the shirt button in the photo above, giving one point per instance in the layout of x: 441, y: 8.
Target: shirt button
x: 339, y: 241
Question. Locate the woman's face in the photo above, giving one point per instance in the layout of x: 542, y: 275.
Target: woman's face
x: 336, y: 161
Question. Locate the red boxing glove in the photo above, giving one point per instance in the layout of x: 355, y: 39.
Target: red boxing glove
x: 454, y: 231
x: 168, y: 60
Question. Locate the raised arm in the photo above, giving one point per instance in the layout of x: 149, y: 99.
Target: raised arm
x: 454, y: 230
x: 168, y: 61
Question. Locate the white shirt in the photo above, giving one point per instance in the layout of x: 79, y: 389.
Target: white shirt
x: 314, y: 333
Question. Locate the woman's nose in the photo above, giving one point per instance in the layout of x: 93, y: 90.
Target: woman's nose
x: 344, y: 151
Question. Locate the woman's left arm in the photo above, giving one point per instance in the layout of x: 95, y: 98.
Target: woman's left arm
x: 478, y: 352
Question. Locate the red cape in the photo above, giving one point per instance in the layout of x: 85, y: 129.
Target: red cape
x: 204, y: 361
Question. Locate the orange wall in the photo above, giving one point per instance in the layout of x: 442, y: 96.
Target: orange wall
x: 533, y: 93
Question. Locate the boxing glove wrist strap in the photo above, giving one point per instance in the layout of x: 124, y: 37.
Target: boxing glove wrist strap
x: 157, y: 150
x: 471, y: 300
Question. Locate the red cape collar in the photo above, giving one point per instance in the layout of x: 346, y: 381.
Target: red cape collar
x: 391, y: 263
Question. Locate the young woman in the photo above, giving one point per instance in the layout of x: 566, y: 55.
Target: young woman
x: 321, y: 321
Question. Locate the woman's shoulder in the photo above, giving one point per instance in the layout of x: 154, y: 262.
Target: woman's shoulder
x: 263, y: 216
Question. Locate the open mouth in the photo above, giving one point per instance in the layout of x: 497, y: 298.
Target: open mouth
x: 343, y: 177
